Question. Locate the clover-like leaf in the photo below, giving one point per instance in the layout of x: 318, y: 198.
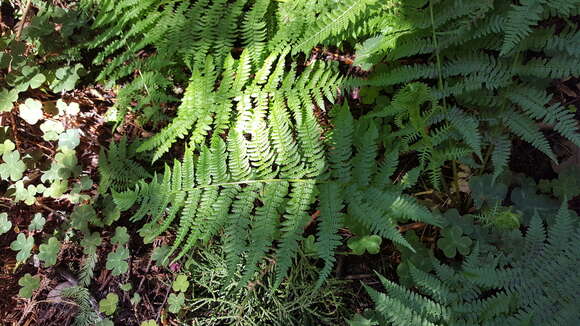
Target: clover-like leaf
x: 121, y: 237
x: 51, y: 129
x: 176, y: 302
x: 7, y: 99
x: 453, y: 241
x: 13, y: 167
x: 108, y: 305
x: 31, y: 111
x: 5, y: 224
x: 29, y: 284
x: 23, y: 245
x: 149, y: 322
x: 69, y: 139
x: 90, y: 242
x: 360, y: 244
x: 82, y: 215
x: 70, y: 109
x: 49, y: 252
x: 105, y: 322
x: 485, y: 190
x: 126, y: 287
x: 37, y: 222
x: 7, y: 147
x: 27, y: 195
x: 63, y: 166
x: 359, y: 320
x: 159, y: 255
x: 116, y: 261
x: 111, y: 212
x: 180, y: 283
x: 66, y: 78
x: 56, y: 189
x: 135, y: 299
x: 28, y: 77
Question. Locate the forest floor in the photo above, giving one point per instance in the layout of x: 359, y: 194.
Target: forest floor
x: 154, y: 283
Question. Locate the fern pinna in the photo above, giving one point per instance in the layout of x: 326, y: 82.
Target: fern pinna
x: 492, y: 62
x: 257, y: 181
x: 536, y: 285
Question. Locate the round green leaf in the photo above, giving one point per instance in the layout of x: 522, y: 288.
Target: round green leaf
x: 31, y: 111
x: 29, y: 284
x: 108, y: 305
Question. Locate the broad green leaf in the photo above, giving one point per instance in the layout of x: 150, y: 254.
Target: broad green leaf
x: 90, y: 242
x: 51, y: 129
x: 181, y: 283
x: 453, y: 241
x: 159, y: 255
x: 111, y: 212
x: 37, y: 222
x: 69, y: 139
x: 13, y: 167
x: 29, y: 284
x: 176, y: 302
x: 484, y: 190
x: 116, y: 261
x: 105, y: 322
x: 126, y: 287
x: 82, y: 216
x: 23, y: 245
x: 27, y: 195
x: 7, y: 147
x: 5, y: 224
x: 49, y: 252
x: 66, y: 78
x: 360, y: 244
x: 135, y: 299
x: 28, y: 77
x: 121, y: 237
x: 56, y: 189
x: 359, y: 320
x: 7, y: 99
x: 149, y: 322
x: 108, y: 305
x: 31, y: 111
x: 70, y: 109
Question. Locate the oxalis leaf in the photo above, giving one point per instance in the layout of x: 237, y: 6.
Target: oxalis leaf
x: 7, y: 99
x: 181, y: 283
x: 66, y: 78
x: 121, y: 237
x: 176, y: 302
x: 5, y: 224
x: 453, y: 241
x: 29, y: 284
x: 116, y: 261
x: 108, y: 305
x: 360, y: 244
x: 23, y: 245
x: 7, y: 147
x: 37, y: 223
x: 31, y: 111
x: 49, y: 252
x: 13, y: 167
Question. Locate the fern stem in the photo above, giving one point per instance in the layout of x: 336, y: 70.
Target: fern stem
x: 437, y: 55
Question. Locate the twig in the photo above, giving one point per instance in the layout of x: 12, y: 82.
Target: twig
x: 411, y: 226
x: 163, y: 304
x: 21, y: 23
